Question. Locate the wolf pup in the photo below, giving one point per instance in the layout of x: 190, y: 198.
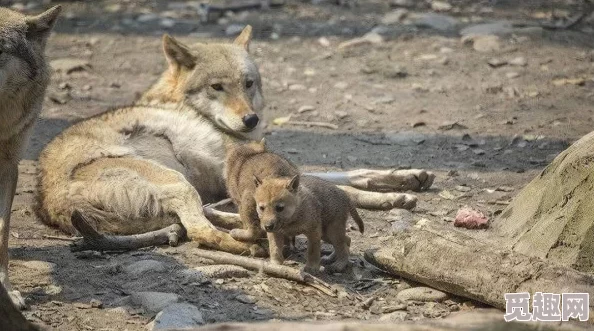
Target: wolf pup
x: 308, y: 205
x: 24, y: 76
x: 246, y: 165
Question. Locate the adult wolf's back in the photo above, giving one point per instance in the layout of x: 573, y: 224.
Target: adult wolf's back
x: 144, y: 167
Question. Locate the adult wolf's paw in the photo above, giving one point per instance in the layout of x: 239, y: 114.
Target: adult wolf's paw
x: 17, y: 299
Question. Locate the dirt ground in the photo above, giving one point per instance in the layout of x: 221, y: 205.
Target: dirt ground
x: 420, y: 98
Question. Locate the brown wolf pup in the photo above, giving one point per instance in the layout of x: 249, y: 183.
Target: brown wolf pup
x: 24, y: 76
x: 245, y: 165
x: 308, y: 205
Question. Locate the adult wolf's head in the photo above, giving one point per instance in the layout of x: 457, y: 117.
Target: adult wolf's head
x: 22, y: 42
x: 219, y: 81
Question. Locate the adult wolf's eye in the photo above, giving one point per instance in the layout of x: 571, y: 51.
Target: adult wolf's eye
x: 217, y: 87
x: 279, y: 208
x: 249, y: 83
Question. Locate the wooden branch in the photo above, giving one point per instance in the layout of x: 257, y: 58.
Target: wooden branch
x: 268, y: 268
x: 93, y: 240
x: 318, y: 124
x: 451, y: 261
x: 61, y: 238
x: 10, y: 317
x: 218, y: 204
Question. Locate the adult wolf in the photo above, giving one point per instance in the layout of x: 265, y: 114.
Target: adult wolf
x: 24, y: 76
x: 142, y: 168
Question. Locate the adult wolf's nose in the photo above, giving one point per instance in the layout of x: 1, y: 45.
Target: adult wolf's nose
x: 250, y: 121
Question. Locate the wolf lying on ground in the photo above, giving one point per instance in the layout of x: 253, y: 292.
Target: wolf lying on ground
x: 145, y: 167
x: 244, y: 163
x: 289, y: 207
x: 24, y: 76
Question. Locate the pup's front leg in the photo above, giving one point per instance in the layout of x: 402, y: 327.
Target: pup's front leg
x: 249, y: 217
x: 276, y: 242
x: 314, y: 252
x: 9, y: 172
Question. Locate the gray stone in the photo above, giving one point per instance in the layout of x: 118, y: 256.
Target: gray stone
x: 178, y: 316
x: 440, y: 6
x: 153, y: 302
x: 191, y: 276
x: 247, y: 299
x: 434, y: 21
x: 145, y: 266
x: 397, y: 316
x: 425, y: 294
x: 395, y: 16
x: 500, y: 28
x: 234, y: 29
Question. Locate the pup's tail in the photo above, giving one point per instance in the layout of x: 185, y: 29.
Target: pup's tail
x: 357, y: 218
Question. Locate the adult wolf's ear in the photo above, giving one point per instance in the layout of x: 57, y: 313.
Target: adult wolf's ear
x: 293, y: 185
x: 40, y: 26
x: 177, y: 54
x: 244, y: 38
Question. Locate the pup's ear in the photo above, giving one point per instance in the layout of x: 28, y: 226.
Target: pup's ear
x: 40, y: 26
x: 177, y: 54
x: 293, y: 185
x: 244, y: 38
x: 257, y: 181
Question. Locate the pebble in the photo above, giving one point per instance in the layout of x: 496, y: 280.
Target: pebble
x: 496, y: 62
x: 486, y: 44
x: 178, y: 316
x: 297, y: 87
x: 153, y: 302
x: 471, y: 219
x: 247, y: 299
x: 145, y: 266
x: 341, y: 114
x: 512, y: 75
x: 441, y: 6
x: 397, y: 316
x: 519, y: 61
x: 341, y: 85
x: 368, y: 39
x: 424, y: 294
x: 324, y: 41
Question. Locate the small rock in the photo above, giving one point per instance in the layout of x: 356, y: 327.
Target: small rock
x: 569, y: 81
x: 397, y: 316
x: 434, y: 21
x: 167, y: 23
x: 447, y: 195
x: 146, y: 18
x: 341, y: 114
x: 178, y: 316
x: 324, y: 41
x: 69, y: 65
x: 247, y: 299
x: 519, y: 61
x: 140, y: 268
x: 441, y: 6
x: 461, y: 188
x: 223, y: 271
x: 493, y: 88
x: 234, y: 29
x: 394, y: 71
x: 496, y: 63
x: 153, y: 302
x: 478, y: 151
x: 424, y: 294
x: 341, y: 85
x: 305, y: 108
x: 471, y: 219
x: 297, y: 87
x: 486, y: 44
x: 512, y: 75
x: 394, y: 17
x: 96, y: 303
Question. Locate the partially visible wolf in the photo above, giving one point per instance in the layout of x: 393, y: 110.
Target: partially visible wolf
x: 246, y: 165
x: 24, y: 76
x: 147, y: 166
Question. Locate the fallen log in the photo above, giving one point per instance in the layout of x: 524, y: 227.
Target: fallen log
x: 268, y: 268
x: 454, y: 262
x: 463, y: 321
x: 553, y: 216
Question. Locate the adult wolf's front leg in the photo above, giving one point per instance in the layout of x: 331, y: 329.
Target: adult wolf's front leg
x: 390, y: 180
x: 9, y: 172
